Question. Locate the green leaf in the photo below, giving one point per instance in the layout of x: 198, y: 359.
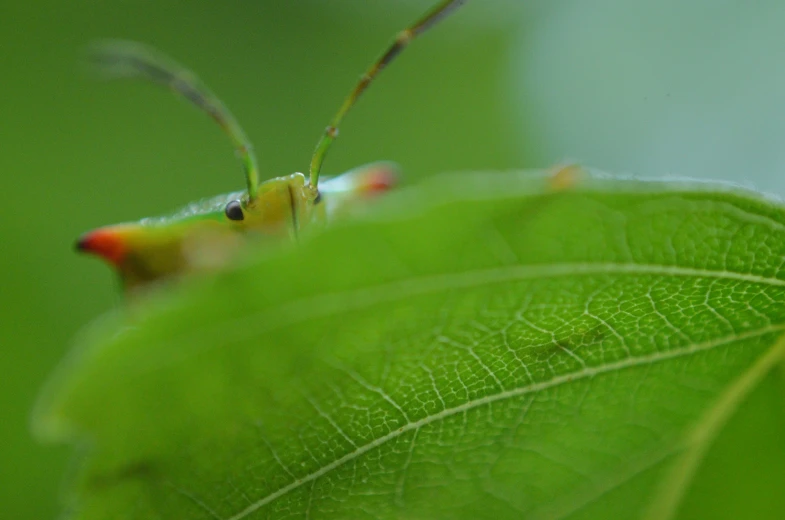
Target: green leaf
x: 482, y: 346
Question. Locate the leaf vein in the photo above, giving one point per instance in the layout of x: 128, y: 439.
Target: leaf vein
x: 668, y: 497
x: 508, y: 394
x: 290, y: 313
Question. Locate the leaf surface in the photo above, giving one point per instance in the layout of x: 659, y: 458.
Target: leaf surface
x: 482, y: 346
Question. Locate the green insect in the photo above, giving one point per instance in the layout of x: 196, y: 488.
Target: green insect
x: 207, y: 234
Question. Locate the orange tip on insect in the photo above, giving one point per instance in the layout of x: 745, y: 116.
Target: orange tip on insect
x: 379, y: 180
x: 207, y: 234
x: 108, y: 243
x: 565, y: 176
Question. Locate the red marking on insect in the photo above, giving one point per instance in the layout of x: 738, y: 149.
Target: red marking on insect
x: 380, y: 181
x: 106, y: 243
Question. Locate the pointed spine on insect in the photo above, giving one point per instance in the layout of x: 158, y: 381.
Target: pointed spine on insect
x: 207, y: 234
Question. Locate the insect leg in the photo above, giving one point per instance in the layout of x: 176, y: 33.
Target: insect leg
x: 123, y: 59
x: 444, y: 8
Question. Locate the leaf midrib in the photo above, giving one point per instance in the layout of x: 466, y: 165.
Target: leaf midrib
x: 695, y: 443
x: 666, y: 501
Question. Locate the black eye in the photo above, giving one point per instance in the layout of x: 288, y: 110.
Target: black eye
x: 234, y: 211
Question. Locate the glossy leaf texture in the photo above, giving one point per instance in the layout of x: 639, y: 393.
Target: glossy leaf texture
x: 481, y: 346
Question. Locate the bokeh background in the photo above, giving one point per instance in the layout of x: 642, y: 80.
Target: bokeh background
x: 651, y: 87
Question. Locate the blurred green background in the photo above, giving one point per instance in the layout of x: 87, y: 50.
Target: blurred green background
x: 652, y: 87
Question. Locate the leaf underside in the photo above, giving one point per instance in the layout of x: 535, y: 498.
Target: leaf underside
x: 480, y: 347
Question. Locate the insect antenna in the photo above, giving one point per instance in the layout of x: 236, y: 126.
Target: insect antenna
x: 124, y: 59
x: 435, y: 15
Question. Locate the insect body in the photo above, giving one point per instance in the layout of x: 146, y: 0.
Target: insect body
x: 208, y: 233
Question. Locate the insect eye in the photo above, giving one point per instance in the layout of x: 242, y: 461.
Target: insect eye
x: 234, y: 211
